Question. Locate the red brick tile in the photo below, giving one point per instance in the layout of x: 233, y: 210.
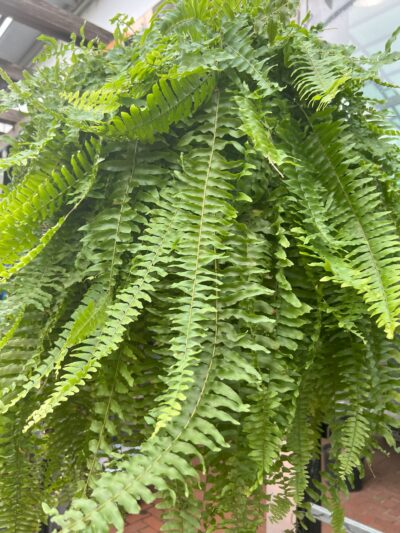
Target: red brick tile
x: 380, y: 523
x: 391, y: 515
x: 392, y: 503
x: 133, y: 528
x: 155, y: 512
x: 133, y: 518
x: 146, y: 507
x: 153, y: 522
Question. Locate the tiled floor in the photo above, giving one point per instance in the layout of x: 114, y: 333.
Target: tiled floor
x: 376, y: 505
x: 147, y: 522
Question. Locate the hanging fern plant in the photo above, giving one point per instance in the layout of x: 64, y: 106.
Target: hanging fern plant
x: 200, y: 247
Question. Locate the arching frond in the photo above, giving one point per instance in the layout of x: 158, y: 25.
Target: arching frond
x: 319, y: 73
x: 36, y: 199
x: 169, y: 102
x: 363, y: 226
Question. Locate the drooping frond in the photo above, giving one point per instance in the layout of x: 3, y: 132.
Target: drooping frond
x: 188, y: 17
x: 206, y: 179
x: 116, y: 317
x: 259, y: 131
x: 318, y: 73
x: 244, y: 58
x: 16, y: 354
x: 36, y: 199
x: 371, y: 264
x: 20, y: 490
x: 169, y: 102
x: 209, y: 399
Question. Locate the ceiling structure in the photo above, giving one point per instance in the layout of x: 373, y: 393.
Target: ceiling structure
x: 18, y: 43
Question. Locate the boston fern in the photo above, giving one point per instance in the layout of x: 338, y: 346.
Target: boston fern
x: 200, y: 251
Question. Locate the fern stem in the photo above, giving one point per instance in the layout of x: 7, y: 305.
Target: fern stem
x: 123, y: 203
x: 103, y: 426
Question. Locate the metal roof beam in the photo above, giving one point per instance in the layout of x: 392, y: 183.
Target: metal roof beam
x: 11, y: 117
x: 51, y: 20
x: 14, y: 71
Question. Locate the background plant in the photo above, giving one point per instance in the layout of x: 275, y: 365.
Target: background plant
x: 200, y: 248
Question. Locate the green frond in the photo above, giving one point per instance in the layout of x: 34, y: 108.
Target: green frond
x: 16, y: 355
x: 84, y: 321
x: 34, y: 152
x: 355, y: 433
x: 64, y: 469
x: 265, y: 438
x: 259, y: 131
x: 109, y: 233
x: 9, y: 334
x: 187, y: 17
x: 350, y: 424
x: 20, y: 490
x: 245, y: 58
x: 94, y: 103
x: 204, y: 201
x: 170, y: 101
x: 35, y: 200
x: 115, y: 318
x: 319, y: 74
x: 302, y: 439
x: 162, y: 458
x: 277, y: 13
x: 371, y: 264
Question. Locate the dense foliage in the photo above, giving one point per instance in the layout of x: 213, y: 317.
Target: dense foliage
x: 200, y: 247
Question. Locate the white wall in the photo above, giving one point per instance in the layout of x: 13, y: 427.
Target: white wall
x: 101, y: 11
x: 337, y: 31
